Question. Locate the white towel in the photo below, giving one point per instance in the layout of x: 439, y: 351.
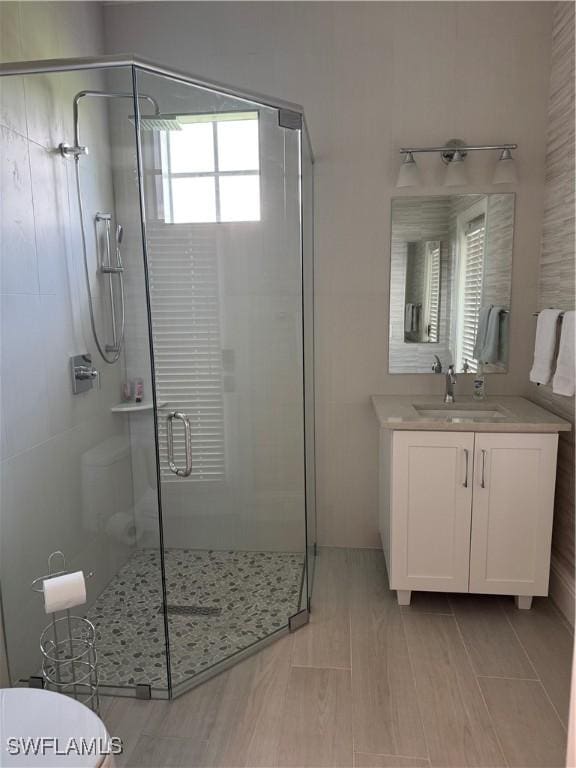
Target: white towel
x: 481, y: 331
x: 564, y: 381
x: 544, y: 346
x: 408, y: 317
x: 490, y: 352
x: 416, y: 318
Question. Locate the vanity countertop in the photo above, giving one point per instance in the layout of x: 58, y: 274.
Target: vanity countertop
x: 515, y: 414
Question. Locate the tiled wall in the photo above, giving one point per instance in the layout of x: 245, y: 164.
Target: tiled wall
x: 556, y: 284
x: 496, y: 287
x: 373, y: 77
x: 46, y: 430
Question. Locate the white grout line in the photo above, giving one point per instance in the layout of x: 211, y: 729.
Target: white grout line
x: 385, y: 754
x: 533, y: 665
x: 404, y: 632
x: 508, y: 677
x: 528, y: 659
x: 350, y: 562
x: 348, y: 602
x: 319, y: 666
x: 476, y: 680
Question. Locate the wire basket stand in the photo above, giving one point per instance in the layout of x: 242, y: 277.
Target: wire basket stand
x: 68, y: 647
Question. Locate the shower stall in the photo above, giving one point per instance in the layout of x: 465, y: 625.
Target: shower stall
x: 183, y: 479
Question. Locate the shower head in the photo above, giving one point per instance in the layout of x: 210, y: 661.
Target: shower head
x: 158, y: 122
x: 119, y: 234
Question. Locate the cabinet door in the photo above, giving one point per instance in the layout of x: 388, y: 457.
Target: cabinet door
x: 431, y: 510
x: 512, y: 513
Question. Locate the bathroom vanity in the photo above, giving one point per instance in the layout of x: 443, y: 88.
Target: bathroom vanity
x: 467, y: 494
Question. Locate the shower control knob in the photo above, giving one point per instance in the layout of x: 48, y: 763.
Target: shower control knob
x: 83, y: 372
x: 67, y: 151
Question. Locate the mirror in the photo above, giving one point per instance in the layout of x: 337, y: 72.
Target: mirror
x: 450, y: 282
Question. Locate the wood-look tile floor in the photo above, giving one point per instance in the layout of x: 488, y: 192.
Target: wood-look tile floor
x: 452, y: 680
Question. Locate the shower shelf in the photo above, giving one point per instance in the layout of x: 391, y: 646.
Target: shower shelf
x: 135, y: 407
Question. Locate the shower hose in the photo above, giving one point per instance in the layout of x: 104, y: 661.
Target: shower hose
x: 104, y: 352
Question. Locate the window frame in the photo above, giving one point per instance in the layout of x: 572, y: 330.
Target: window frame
x: 167, y: 176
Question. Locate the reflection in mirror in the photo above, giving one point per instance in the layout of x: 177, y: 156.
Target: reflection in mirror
x: 450, y: 282
x: 422, y: 302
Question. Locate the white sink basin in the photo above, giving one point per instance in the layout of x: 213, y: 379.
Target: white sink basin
x: 451, y: 412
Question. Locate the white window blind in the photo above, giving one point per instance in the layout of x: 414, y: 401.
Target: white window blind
x: 434, y: 291
x: 472, y: 276
x: 183, y: 273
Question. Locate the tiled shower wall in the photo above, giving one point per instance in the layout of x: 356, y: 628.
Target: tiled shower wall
x: 556, y: 284
x: 45, y: 430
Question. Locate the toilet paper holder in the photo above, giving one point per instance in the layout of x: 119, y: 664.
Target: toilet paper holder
x: 37, y: 583
x: 68, y: 646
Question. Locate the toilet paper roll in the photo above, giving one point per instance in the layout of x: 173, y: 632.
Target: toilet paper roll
x: 122, y: 527
x: 64, y: 592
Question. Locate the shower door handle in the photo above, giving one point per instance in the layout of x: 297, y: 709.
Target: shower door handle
x: 187, y: 441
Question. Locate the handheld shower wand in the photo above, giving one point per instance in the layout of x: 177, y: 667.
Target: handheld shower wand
x: 119, y: 238
x: 110, y: 353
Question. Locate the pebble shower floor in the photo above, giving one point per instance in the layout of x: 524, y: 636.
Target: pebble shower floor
x: 219, y: 603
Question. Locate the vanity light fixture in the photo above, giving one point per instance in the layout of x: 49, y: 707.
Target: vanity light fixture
x: 505, y: 171
x: 408, y: 175
x: 453, y: 154
x: 456, y: 175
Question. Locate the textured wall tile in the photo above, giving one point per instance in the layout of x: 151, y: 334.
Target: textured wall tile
x: 557, y: 267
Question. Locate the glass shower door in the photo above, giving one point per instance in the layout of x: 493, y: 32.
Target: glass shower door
x: 221, y: 181
x: 76, y: 474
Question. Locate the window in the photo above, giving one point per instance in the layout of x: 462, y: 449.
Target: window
x: 211, y: 169
x: 471, y: 239
x: 432, y: 298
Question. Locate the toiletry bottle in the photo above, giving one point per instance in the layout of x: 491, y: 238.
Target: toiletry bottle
x: 139, y: 390
x: 479, y: 390
x: 127, y: 393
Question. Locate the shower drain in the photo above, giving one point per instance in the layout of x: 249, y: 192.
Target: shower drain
x: 192, y: 610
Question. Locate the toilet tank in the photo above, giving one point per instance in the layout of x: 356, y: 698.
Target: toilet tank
x: 106, y: 482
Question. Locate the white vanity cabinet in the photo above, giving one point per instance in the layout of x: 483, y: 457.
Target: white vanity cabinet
x: 467, y: 511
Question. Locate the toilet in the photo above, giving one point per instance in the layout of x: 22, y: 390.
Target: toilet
x: 55, y: 730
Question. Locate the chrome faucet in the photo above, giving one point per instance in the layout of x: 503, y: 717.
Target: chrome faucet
x: 450, y: 381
